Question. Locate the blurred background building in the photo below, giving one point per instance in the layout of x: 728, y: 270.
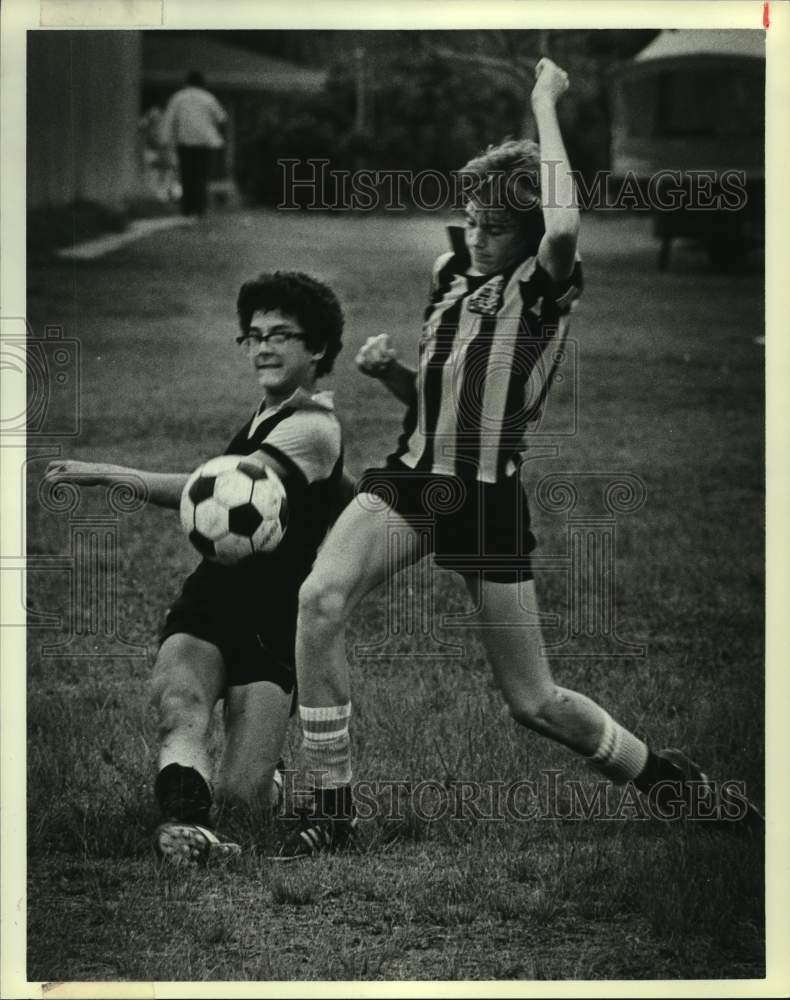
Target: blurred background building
x: 83, y: 105
x: 640, y: 102
x: 238, y: 77
x: 693, y: 101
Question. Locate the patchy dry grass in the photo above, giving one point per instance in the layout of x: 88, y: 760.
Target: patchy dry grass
x: 670, y: 390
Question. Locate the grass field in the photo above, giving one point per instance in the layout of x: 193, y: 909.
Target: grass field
x: 670, y: 390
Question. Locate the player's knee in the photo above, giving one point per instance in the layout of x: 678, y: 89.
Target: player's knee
x: 535, y: 710
x: 176, y: 703
x: 230, y: 791
x: 254, y: 790
x: 322, y: 604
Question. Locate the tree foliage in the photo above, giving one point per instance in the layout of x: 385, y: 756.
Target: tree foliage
x: 431, y: 100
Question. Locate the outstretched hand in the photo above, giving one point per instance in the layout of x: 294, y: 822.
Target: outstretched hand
x: 375, y: 356
x: 551, y: 82
x: 79, y: 473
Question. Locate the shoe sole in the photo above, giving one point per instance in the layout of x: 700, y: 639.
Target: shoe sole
x: 187, y: 845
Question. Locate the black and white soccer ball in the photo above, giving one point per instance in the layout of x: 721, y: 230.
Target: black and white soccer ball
x: 232, y: 507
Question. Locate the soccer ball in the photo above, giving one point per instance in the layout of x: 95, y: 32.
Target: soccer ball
x: 232, y: 507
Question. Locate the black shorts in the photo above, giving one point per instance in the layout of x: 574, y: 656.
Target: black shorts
x: 471, y: 527
x: 253, y: 624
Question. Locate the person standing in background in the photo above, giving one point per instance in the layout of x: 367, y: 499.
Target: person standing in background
x: 193, y: 122
x: 160, y: 166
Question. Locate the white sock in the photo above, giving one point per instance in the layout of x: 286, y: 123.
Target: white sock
x: 620, y: 755
x: 326, y: 744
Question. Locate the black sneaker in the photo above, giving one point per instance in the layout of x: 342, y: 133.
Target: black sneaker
x: 327, y: 824
x: 681, y: 783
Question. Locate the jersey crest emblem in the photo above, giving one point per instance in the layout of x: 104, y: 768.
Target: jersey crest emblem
x: 487, y: 300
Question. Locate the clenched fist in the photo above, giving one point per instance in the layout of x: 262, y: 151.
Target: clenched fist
x: 551, y: 82
x: 375, y: 356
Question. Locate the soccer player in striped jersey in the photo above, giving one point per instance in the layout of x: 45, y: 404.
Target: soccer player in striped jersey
x: 499, y: 300
x: 230, y: 633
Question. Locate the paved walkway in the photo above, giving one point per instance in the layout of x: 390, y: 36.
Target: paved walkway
x: 91, y: 249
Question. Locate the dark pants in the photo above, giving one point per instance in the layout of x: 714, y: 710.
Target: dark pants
x: 194, y: 164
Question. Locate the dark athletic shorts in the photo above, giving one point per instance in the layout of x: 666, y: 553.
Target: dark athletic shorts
x: 253, y: 625
x: 471, y: 527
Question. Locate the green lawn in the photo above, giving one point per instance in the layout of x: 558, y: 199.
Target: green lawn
x: 667, y: 387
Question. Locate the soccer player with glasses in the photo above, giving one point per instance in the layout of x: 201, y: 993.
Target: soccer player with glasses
x: 229, y: 635
x: 499, y: 308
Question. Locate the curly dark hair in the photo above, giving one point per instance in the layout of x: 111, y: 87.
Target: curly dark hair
x: 310, y: 302
x: 507, y: 176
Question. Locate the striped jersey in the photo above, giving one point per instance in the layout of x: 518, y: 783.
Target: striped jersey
x: 484, y: 366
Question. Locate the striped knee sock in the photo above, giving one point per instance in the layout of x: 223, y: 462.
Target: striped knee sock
x: 620, y: 755
x: 326, y: 744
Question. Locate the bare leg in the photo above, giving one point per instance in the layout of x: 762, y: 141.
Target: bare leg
x: 256, y: 720
x: 511, y: 634
x: 188, y: 680
x: 522, y: 671
x: 355, y: 558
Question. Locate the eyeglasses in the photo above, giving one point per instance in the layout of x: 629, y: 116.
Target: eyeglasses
x: 277, y: 338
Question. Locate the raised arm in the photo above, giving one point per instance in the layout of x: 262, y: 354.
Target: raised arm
x: 377, y: 358
x: 161, y: 488
x: 557, y: 252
